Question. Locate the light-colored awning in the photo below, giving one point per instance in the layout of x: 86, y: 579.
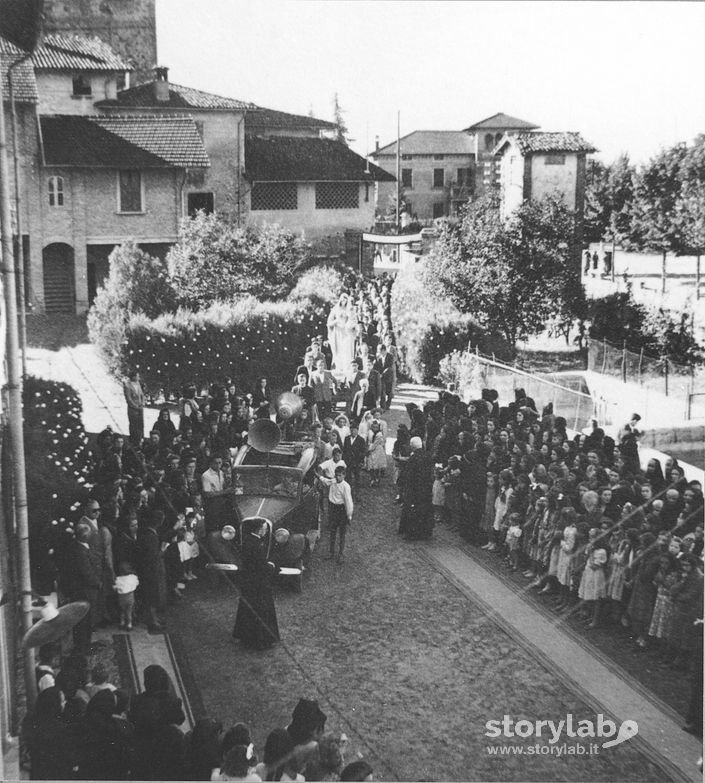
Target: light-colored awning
x: 391, y: 239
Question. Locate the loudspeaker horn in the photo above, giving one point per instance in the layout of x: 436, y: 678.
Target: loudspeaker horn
x: 289, y: 405
x: 264, y: 435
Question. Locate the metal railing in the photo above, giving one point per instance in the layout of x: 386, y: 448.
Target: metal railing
x: 681, y: 383
x: 574, y: 405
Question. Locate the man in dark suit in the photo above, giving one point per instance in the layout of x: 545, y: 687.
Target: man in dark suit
x: 354, y: 451
x: 384, y: 364
x: 417, y: 512
x: 85, y: 585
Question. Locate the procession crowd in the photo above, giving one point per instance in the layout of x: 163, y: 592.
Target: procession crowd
x: 618, y: 545
x: 85, y: 728
x: 577, y: 516
x: 144, y: 531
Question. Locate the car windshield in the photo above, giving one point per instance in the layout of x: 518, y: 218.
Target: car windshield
x: 272, y: 481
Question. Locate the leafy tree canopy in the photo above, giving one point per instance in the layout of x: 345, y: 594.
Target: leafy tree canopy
x: 512, y: 275
x: 214, y: 260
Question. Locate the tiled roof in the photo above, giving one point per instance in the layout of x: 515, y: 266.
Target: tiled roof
x: 431, y: 142
x: 143, y: 96
x: 22, y: 75
x: 566, y: 141
x: 76, y: 52
x: 122, y: 142
x: 290, y: 159
x: 270, y: 118
x: 502, y: 121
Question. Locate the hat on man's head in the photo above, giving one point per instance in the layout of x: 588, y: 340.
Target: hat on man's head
x: 416, y: 443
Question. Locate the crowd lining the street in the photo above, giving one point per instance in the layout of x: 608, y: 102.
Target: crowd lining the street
x: 618, y: 545
x: 144, y: 534
x: 576, y: 515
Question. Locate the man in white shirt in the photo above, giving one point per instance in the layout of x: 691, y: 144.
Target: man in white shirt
x: 326, y: 477
x: 213, y: 483
x: 340, y: 505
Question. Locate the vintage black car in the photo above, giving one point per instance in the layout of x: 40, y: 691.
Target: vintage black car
x: 288, y: 499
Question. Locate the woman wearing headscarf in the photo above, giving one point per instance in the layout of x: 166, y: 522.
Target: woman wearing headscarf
x: 107, y: 742
x: 165, y: 427
x: 256, y: 621
x: 50, y: 740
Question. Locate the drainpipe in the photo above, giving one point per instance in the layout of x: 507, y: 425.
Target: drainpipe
x: 20, y: 261
x: 14, y: 393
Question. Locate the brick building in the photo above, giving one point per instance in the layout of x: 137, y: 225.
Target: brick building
x: 88, y: 182
x: 127, y: 26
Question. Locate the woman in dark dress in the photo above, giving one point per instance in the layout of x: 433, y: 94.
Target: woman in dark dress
x: 256, y: 621
x: 50, y: 740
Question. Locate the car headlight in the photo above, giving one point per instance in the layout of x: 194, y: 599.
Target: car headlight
x: 281, y: 535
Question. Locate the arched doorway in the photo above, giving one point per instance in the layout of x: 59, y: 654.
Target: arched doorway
x: 59, y: 281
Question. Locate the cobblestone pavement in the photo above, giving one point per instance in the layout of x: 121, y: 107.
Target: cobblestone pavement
x: 401, y: 661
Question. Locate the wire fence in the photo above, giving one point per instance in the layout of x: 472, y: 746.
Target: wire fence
x: 683, y: 384
x: 575, y: 405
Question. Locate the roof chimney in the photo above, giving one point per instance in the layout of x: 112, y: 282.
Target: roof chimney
x: 376, y: 143
x: 161, y: 84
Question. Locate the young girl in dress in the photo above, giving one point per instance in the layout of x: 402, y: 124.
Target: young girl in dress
x: 488, y: 511
x: 438, y: 495
x: 593, y: 585
x: 666, y: 577
x: 376, y: 453
x: 513, y: 540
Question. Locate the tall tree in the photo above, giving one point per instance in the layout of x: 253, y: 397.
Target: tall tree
x: 656, y: 189
x: 690, y: 204
x: 609, y: 193
x: 341, y: 132
x: 514, y: 275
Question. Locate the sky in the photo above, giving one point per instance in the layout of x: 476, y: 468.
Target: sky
x: 629, y: 76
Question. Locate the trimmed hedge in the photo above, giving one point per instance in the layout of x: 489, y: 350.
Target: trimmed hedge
x: 243, y: 341
x: 57, y: 457
x: 428, y: 329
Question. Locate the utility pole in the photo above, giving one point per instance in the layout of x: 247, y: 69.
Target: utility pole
x: 15, y: 415
x: 398, y: 170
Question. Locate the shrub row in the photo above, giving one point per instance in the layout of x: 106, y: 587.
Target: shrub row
x: 58, y: 464
x: 242, y: 341
x: 428, y: 329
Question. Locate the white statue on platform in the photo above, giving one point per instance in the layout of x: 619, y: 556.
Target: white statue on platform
x: 342, y: 331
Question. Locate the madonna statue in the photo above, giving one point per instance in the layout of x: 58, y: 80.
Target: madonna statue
x: 342, y: 331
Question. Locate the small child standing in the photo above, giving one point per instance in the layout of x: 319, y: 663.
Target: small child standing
x: 125, y: 585
x: 438, y: 495
x: 513, y: 538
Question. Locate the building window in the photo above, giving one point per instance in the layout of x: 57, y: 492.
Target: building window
x: 555, y: 160
x: 56, y: 191
x: 438, y: 157
x: 464, y: 177
x: 438, y: 178
x: 489, y: 141
x: 130, y: 191
x: 199, y: 128
x: 407, y: 157
x: 439, y: 209
x: 274, y: 195
x: 337, y: 195
x: 81, y: 84
x: 200, y: 201
x: 407, y: 178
